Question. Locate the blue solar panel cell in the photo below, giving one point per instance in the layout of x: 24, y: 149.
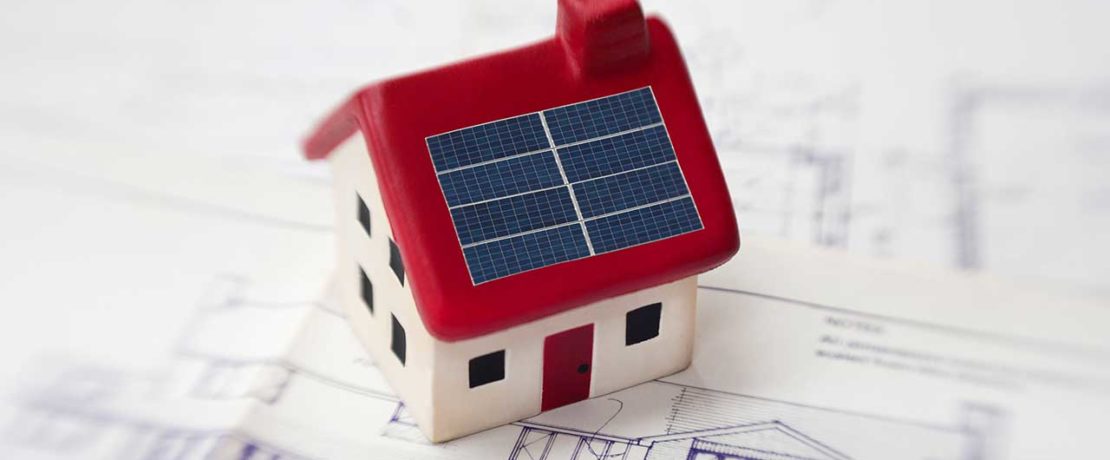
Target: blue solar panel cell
x: 643, y: 225
x: 602, y: 117
x: 508, y: 216
x: 487, y: 142
x: 500, y: 258
x: 630, y: 189
x: 502, y: 178
x: 509, y: 184
x: 615, y: 154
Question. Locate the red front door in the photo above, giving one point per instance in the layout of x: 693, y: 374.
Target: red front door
x: 567, y: 365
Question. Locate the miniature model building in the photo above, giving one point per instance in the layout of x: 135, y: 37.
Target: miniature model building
x: 522, y: 231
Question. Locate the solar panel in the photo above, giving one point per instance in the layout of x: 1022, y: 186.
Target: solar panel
x: 562, y: 184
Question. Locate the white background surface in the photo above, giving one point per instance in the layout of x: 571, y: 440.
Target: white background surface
x: 147, y: 147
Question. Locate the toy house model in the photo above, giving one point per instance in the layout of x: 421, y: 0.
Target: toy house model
x: 522, y: 231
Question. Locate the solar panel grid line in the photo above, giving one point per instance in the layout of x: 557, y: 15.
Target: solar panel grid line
x: 501, y: 180
x: 524, y: 253
x: 622, y: 179
x: 618, y: 112
x: 476, y: 276
x: 637, y: 208
x: 506, y: 196
x: 437, y: 141
x: 573, y: 223
x: 630, y: 189
x: 480, y: 222
x: 479, y: 125
x: 443, y: 192
x: 482, y: 262
x: 563, y: 173
x: 616, y: 154
x: 686, y: 183
x: 495, y: 160
x: 489, y: 141
x: 545, y: 149
x: 625, y: 230
x: 576, y: 222
x: 640, y: 168
x: 616, y: 134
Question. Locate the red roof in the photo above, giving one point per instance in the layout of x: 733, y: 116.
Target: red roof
x: 600, y: 48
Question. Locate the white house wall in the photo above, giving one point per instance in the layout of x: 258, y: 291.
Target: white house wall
x: 352, y: 171
x: 434, y: 382
x: 462, y: 410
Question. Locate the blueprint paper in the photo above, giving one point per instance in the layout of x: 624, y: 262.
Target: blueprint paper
x: 923, y: 131
x: 839, y: 359
x: 164, y: 245
x: 802, y: 353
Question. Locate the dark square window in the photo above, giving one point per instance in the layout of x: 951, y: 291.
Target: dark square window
x: 397, y: 343
x: 487, y: 368
x: 395, y: 262
x: 367, y: 290
x: 363, y: 214
x: 642, y: 323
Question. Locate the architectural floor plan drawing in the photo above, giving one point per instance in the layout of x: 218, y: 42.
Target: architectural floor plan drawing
x: 1062, y: 147
x: 707, y: 424
x: 788, y: 156
x: 839, y: 123
x: 165, y: 245
x: 837, y: 130
x: 214, y: 365
x: 286, y: 379
x: 802, y: 354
